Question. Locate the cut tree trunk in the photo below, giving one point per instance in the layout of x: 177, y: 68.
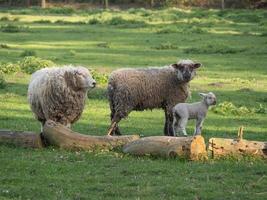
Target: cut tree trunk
x: 192, y: 148
x: 62, y: 137
x: 21, y: 139
x: 220, y: 147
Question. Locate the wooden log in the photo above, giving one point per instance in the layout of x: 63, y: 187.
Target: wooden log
x: 192, y: 148
x: 21, y: 139
x: 219, y: 147
x: 62, y: 137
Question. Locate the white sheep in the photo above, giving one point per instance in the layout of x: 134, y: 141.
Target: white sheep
x: 183, y: 112
x: 59, y: 93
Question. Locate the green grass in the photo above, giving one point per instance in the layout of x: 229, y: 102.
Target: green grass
x: 231, y: 45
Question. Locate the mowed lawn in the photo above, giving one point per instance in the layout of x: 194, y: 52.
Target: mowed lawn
x: 231, y: 45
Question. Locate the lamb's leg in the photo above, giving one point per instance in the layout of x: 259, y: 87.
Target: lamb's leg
x: 199, y: 124
x: 174, y: 125
x: 182, y: 125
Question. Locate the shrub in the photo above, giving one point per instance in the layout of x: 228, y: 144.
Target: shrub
x: 31, y: 64
x: 28, y: 53
x: 124, y: 22
x: 99, y: 77
x: 228, y: 108
x: 10, y: 28
x: 4, y: 18
x: 94, y: 21
x: 2, y: 81
x: 9, y: 68
x: 60, y: 10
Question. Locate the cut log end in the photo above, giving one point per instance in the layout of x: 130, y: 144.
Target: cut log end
x: 21, y: 139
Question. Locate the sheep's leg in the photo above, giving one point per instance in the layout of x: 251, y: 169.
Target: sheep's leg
x: 114, y: 128
x: 182, y: 125
x: 166, y: 126
x: 168, y: 130
x: 198, y: 128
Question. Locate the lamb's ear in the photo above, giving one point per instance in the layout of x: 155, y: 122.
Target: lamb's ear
x: 202, y: 94
x: 197, y: 65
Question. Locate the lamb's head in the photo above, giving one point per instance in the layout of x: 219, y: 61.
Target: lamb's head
x: 186, y: 70
x: 79, y: 78
x: 209, y: 98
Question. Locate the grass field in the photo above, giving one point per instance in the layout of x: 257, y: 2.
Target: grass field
x: 232, y: 46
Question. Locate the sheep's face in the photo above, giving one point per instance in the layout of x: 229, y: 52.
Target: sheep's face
x: 80, y: 79
x: 186, y: 70
x: 209, y: 98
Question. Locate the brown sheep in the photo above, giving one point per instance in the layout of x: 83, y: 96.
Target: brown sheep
x: 140, y: 89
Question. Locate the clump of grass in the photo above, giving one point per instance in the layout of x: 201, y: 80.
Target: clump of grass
x: 28, y: 53
x: 261, y: 109
x: 103, y: 45
x: 31, y: 64
x: 16, y: 19
x: 167, y: 30
x: 228, y: 108
x: 166, y: 46
x: 4, y: 46
x: 264, y: 34
x: 42, y: 21
x: 72, y: 53
x: 214, y: 49
x: 9, y: 68
x: 10, y: 28
x: 2, y: 81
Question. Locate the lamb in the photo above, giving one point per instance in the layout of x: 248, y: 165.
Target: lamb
x: 59, y: 93
x: 182, y: 112
x: 149, y: 88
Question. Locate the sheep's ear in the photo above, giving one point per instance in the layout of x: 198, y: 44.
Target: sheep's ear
x: 197, y: 65
x: 202, y: 94
x: 68, y: 76
x: 176, y: 66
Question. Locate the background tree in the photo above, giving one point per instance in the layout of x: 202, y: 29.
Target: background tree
x: 43, y: 3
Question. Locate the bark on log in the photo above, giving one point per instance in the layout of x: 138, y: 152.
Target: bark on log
x: 62, y: 137
x: 220, y: 147
x: 21, y: 139
x: 192, y: 148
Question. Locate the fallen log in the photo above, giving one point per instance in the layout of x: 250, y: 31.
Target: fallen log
x: 21, y: 139
x: 192, y: 148
x: 220, y: 147
x: 62, y: 137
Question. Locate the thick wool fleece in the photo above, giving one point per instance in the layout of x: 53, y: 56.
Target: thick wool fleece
x: 58, y: 94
